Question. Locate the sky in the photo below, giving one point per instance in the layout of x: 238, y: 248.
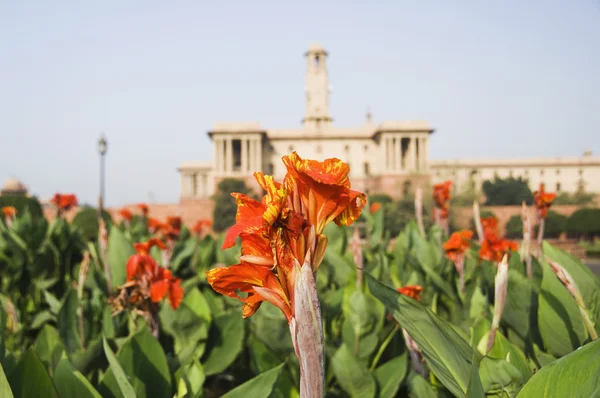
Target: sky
x: 495, y: 79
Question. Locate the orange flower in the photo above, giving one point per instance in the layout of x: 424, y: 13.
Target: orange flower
x: 441, y: 194
x: 165, y: 284
x: 126, y: 214
x: 493, y: 246
x: 64, y: 202
x: 412, y: 291
x: 9, y: 211
x: 323, y: 190
x: 283, y: 231
x: 143, y: 208
x: 201, y: 225
x: 174, y: 222
x: 458, y: 244
x: 374, y: 207
x: 143, y: 263
x: 543, y: 200
x: 154, y: 224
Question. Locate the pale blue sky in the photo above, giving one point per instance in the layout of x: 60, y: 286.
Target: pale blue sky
x: 496, y: 79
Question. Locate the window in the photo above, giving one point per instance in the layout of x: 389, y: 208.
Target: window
x: 558, y: 187
x: 347, y: 148
x: 557, y: 171
x: 291, y: 149
x: 366, y: 148
x: 367, y: 171
x: 406, y: 188
x: 237, y: 154
x: 271, y: 169
x: 541, y: 172
x: 317, y: 62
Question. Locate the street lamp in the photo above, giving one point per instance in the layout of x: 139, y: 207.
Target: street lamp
x: 102, y: 147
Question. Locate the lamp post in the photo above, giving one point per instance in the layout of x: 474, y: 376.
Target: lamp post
x: 102, y: 147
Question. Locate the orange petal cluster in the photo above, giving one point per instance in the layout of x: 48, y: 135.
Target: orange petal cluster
x: 283, y: 231
x: 441, y: 196
x: 64, y: 202
x: 458, y: 244
x: 543, y: 200
x: 143, y: 269
x: 9, y: 211
x: 412, y: 291
x: 126, y: 214
x: 374, y: 207
x: 493, y: 246
x: 201, y: 225
x: 143, y: 208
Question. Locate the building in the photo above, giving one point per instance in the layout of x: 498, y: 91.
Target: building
x: 13, y: 186
x: 390, y: 157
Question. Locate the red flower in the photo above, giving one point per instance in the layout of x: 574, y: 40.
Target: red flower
x: 458, y: 244
x: 154, y: 224
x: 9, y: 211
x: 543, y: 200
x: 143, y: 263
x: 412, y: 291
x: 493, y: 246
x: 165, y: 284
x: 64, y: 202
x: 201, y: 225
x: 441, y: 196
x: 126, y: 214
x: 143, y: 208
x: 374, y: 207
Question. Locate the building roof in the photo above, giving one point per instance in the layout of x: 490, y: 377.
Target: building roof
x: 243, y: 127
x: 367, y: 130
x: 14, y: 185
x: 522, y: 162
x: 191, y: 166
x: 316, y: 48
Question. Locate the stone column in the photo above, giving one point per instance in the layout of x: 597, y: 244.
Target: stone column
x: 259, y: 160
x: 183, y: 193
x: 244, y: 155
x: 387, y: 158
x: 228, y: 155
x: 413, y: 152
x: 398, y: 153
x: 220, y: 155
x: 425, y: 152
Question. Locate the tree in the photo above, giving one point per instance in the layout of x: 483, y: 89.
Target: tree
x: 507, y: 192
x: 514, y: 227
x: 225, y: 206
x: 584, y: 223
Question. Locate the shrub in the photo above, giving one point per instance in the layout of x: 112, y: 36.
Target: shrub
x: 86, y: 220
x: 21, y: 202
x: 584, y: 223
x: 380, y: 198
x: 225, y: 206
x: 507, y: 192
x: 555, y: 224
x: 514, y: 227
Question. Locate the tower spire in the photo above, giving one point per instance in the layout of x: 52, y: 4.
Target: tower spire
x: 317, y: 87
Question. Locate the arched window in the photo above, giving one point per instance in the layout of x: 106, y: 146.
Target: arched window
x: 317, y: 62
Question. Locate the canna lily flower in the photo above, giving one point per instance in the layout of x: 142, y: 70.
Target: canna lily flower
x: 455, y: 249
x: 412, y: 291
x: 126, y: 214
x: 201, y: 226
x: 493, y: 246
x: 441, y: 196
x: 374, y: 207
x: 143, y: 208
x: 500, y: 288
x: 64, y: 202
x: 282, y: 248
x: 154, y: 225
x: 543, y: 200
x: 10, y: 212
x: 164, y: 284
x: 143, y: 263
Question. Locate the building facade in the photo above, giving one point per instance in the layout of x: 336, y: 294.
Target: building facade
x: 389, y: 157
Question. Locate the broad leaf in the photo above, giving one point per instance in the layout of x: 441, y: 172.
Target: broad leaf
x: 390, y: 375
x: 125, y: 389
x: 447, y: 354
x: 260, y: 386
x: 354, y: 378
x: 71, y: 383
x: 30, y: 379
x: 48, y: 347
x: 574, y: 375
x: 499, y: 377
x: 68, y: 322
x: 5, y: 390
x: 118, y: 252
x: 144, y: 362
x: 226, y: 339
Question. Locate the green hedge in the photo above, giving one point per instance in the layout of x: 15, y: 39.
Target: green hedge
x: 584, y: 223
x: 22, y: 203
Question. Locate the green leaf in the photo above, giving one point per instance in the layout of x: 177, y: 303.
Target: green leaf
x: 124, y: 386
x: 559, y: 319
x: 475, y: 389
x: 425, y: 255
x: 190, y: 379
x: 354, y: 378
x: 499, y: 377
x: 521, y: 304
x: 502, y: 349
x: 2, y: 331
x: 53, y: 302
x: 68, y: 322
x: 118, y: 252
x: 189, y: 324
x: 30, y: 379
x: 5, y: 391
x: 143, y: 360
x: 390, y: 375
x: 42, y: 318
x: 419, y: 387
x: 257, y: 387
x: 574, y: 375
x: 447, y: 354
x: 364, y: 316
x: 48, y: 347
x: 70, y: 383
x: 226, y: 339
